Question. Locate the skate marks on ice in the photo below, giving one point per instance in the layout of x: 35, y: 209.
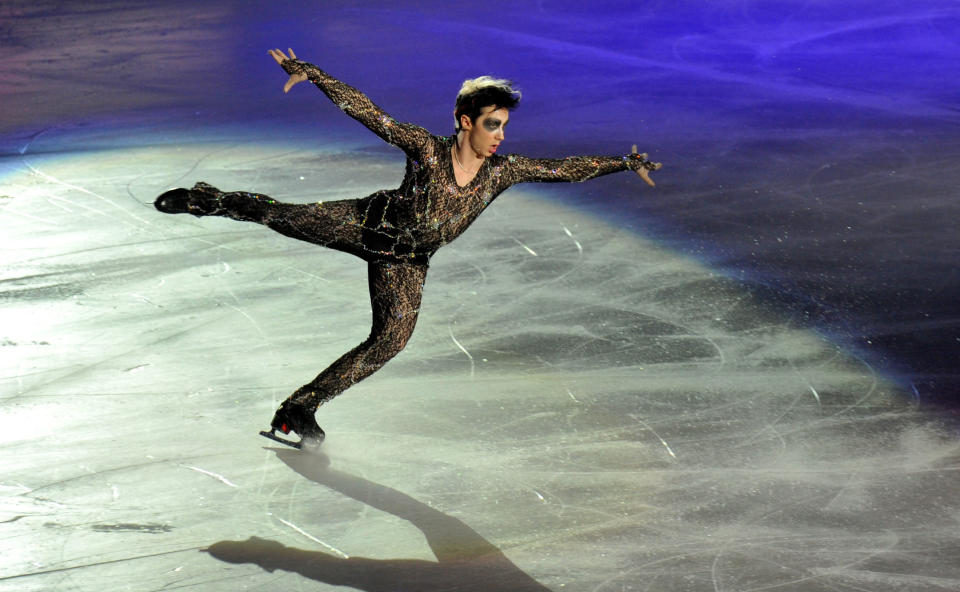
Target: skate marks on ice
x: 608, y: 415
x: 465, y: 560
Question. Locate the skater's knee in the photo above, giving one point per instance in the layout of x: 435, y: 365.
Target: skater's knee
x: 389, y: 348
x: 389, y: 343
x: 401, y: 342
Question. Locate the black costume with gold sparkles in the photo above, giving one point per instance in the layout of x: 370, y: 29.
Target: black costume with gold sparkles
x: 396, y: 231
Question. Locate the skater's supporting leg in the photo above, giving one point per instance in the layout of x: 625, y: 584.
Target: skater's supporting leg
x: 395, y: 292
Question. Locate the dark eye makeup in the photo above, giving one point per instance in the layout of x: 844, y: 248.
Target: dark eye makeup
x: 491, y: 124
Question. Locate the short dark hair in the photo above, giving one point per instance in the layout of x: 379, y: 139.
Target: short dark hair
x: 485, y: 91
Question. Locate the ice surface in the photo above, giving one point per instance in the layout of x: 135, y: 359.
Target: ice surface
x: 579, y: 409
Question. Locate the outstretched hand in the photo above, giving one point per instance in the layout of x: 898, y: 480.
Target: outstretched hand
x: 645, y: 166
x: 279, y: 57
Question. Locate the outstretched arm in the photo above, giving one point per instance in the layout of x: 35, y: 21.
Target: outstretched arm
x: 578, y: 168
x: 354, y: 103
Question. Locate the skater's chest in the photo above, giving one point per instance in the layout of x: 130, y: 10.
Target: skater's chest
x: 432, y: 182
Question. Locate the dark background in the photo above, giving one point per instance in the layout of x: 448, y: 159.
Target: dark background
x: 810, y: 149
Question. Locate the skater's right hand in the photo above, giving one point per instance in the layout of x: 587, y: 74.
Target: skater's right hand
x: 280, y: 57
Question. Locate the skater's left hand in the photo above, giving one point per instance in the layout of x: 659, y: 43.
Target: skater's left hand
x: 279, y: 57
x: 645, y: 166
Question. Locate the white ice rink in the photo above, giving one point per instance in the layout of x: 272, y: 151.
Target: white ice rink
x: 578, y: 409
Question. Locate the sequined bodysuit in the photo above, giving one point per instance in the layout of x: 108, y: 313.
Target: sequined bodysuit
x: 396, y: 231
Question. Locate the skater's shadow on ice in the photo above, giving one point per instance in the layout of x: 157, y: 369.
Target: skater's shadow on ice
x: 465, y: 560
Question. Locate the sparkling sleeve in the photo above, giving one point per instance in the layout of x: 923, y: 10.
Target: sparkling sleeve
x: 406, y: 136
x: 573, y: 168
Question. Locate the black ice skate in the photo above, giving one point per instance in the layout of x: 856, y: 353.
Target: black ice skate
x: 297, y: 418
x: 201, y: 200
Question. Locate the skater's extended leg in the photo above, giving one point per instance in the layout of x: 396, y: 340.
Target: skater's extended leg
x: 333, y: 224
x: 395, y: 292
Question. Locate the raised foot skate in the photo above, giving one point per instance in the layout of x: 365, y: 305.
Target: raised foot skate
x: 292, y: 417
x: 202, y: 200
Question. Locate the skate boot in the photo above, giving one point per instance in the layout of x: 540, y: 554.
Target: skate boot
x: 296, y: 418
x: 201, y: 200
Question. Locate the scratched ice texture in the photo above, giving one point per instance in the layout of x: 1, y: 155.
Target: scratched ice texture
x: 595, y: 399
x: 560, y: 420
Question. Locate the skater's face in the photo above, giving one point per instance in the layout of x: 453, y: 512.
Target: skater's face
x: 487, y: 132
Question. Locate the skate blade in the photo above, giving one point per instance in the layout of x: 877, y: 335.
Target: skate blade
x: 307, y: 444
x: 276, y: 438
